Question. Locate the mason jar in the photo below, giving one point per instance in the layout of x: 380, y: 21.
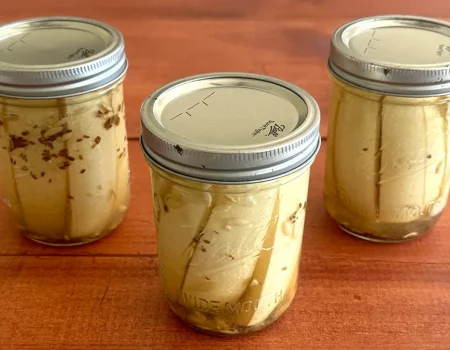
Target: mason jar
x: 230, y: 155
x: 63, y: 144
x: 388, y: 165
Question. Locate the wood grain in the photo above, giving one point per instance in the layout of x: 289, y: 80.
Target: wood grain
x: 117, y: 303
x: 108, y: 295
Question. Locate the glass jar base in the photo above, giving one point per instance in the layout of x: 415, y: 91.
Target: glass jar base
x: 66, y: 243
x: 373, y: 238
x: 219, y: 327
x: 236, y: 332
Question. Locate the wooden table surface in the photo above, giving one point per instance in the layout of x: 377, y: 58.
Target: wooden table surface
x: 107, y: 295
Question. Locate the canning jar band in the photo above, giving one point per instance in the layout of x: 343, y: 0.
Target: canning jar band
x: 392, y: 89
x: 217, y: 176
x: 95, y: 83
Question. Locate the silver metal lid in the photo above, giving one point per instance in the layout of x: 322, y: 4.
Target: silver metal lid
x: 59, y: 56
x: 230, y: 127
x: 400, y: 55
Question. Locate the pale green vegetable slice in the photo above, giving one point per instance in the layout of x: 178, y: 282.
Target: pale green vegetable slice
x: 445, y: 187
x: 277, y: 264
x: 161, y: 187
x: 182, y: 217
x: 123, y: 173
x: 435, y: 158
x: 41, y: 185
x: 92, y: 177
x: 7, y: 177
x: 356, y: 154
x: 225, y: 258
x: 329, y: 189
x: 413, y: 145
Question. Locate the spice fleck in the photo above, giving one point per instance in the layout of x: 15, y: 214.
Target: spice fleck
x: 17, y: 142
x: 108, y: 123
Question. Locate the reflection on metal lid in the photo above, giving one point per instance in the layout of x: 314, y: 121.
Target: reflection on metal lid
x: 58, y: 56
x: 230, y: 126
x: 394, y: 54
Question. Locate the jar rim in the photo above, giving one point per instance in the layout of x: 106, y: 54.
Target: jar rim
x: 196, y: 146
x: 84, y: 55
x: 386, y: 68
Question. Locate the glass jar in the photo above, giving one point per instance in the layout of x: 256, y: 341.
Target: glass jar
x: 387, y: 169
x: 230, y: 183
x: 63, y: 147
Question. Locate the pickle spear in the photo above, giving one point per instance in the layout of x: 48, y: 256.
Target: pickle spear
x: 356, y: 158
x: 412, y: 159
x: 161, y: 187
x: 278, y: 262
x: 122, y: 191
x: 7, y: 176
x: 445, y: 187
x: 229, y: 247
x: 92, y: 177
x: 182, y: 217
x: 329, y: 188
x: 35, y: 143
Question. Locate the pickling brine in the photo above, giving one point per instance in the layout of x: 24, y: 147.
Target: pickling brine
x: 229, y: 255
x: 388, y: 166
x: 64, y: 165
x: 388, y: 161
x: 230, y: 157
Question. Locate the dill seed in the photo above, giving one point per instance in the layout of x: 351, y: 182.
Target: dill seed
x: 109, y: 123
